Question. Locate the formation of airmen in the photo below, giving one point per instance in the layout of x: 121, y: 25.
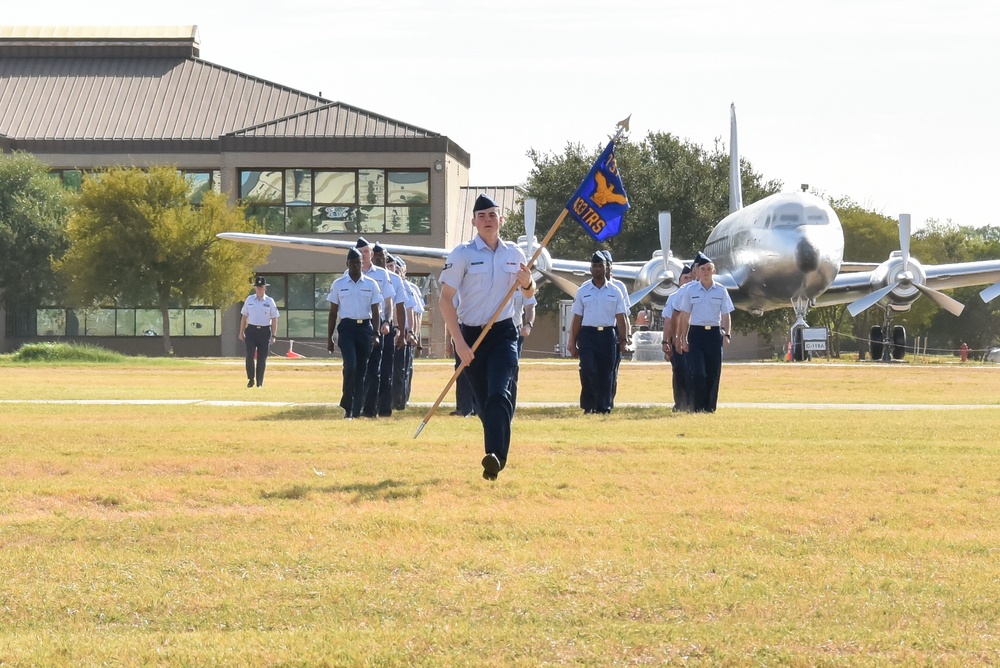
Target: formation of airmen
x: 378, y: 358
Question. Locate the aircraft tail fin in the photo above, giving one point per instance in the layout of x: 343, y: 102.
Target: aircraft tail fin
x: 735, y: 183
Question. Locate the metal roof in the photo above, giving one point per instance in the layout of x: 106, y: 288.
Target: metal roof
x: 64, y: 88
x: 149, y: 98
x: 335, y: 120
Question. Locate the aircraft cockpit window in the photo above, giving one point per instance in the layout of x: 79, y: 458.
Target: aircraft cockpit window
x: 818, y: 218
x: 788, y: 219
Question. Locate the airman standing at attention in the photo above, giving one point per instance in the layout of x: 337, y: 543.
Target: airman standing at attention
x: 671, y: 317
x: 620, y: 351
x: 258, y: 327
x: 355, y: 298
x: 384, y: 328
x: 705, y: 328
x: 402, y: 361
x: 400, y: 302
x: 480, y: 273
x: 597, y: 335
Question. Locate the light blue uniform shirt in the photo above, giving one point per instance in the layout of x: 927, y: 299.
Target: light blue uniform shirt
x: 402, y: 295
x: 598, y: 305
x: 672, y: 300
x: 381, y: 276
x: 418, y: 299
x: 354, y: 300
x: 622, y: 288
x: 706, y: 306
x: 259, y: 311
x: 519, y: 303
x: 481, y: 279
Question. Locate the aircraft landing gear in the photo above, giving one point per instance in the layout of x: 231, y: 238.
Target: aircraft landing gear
x: 887, y: 343
x: 801, y: 307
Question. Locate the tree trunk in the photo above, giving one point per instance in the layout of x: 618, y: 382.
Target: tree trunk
x: 165, y: 315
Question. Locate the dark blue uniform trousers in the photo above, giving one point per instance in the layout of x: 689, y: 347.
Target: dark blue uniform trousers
x: 355, y: 341
x: 377, y: 362
x: 704, y: 365
x: 258, y: 342
x: 678, y: 364
x: 386, y: 374
x: 464, y: 402
x: 598, y: 355
x: 489, y: 376
x: 402, y: 365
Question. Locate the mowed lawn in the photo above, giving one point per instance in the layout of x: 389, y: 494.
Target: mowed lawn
x: 210, y: 531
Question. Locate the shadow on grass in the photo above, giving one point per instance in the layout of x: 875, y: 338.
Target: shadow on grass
x: 327, y: 412
x: 386, y: 490
x: 324, y: 412
x: 621, y: 413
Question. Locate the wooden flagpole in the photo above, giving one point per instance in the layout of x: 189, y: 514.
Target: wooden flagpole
x: 622, y: 126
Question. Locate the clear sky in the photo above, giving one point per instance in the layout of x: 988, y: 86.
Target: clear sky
x: 892, y: 103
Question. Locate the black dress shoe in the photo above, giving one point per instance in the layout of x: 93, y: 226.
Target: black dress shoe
x: 250, y: 383
x: 491, y: 467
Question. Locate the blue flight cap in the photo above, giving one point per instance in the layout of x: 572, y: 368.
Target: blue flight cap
x: 598, y: 256
x: 686, y: 270
x: 353, y: 254
x: 399, y: 262
x: 362, y: 242
x: 701, y: 259
x: 607, y: 255
x: 484, y: 202
x: 377, y: 248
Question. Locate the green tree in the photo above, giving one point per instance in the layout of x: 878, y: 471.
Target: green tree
x: 33, y: 214
x: 136, y: 240
x: 980, y: 322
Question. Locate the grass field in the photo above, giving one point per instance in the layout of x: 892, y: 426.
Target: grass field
x: 273, y: 533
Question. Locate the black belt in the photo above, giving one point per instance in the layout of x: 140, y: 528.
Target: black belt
x: 358, y: 321
x: 505, y: 321
x: 260, y: 326
x: 706, y: 327
x: 599, y: 328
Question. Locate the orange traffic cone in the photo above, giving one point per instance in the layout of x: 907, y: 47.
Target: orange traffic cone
x: 291, y: 353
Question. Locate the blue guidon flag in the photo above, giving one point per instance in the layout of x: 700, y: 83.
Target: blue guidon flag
x: 600, y: 203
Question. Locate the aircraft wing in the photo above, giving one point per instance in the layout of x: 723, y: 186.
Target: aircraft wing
x: 849, y: 286
x: 334, y: 246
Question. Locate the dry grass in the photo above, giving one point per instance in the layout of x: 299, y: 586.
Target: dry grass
x: 281, y: 536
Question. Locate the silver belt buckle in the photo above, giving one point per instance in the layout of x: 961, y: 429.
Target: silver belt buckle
x: 600, y: 329
x: 360, y: 322
x: 708, y: 327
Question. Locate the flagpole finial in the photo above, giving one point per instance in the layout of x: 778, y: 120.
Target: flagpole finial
x: 622, y: 126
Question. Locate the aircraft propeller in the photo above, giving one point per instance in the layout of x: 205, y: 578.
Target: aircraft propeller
x: 905, y: 277
x: 990, y: 293
x: 664, y: 220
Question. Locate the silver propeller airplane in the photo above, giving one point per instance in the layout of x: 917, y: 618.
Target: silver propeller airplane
x: 785, y: 250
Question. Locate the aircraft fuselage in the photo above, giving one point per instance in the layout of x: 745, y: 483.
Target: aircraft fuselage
x: 784, y: 249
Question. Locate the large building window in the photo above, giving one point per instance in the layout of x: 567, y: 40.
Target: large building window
x: 198, y: 181
x: 352, y: 201
x: 195, y: 321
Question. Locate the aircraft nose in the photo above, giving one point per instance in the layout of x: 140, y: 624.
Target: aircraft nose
x: 806, y: 256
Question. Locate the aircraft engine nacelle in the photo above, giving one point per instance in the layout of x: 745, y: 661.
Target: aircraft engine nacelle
x: 544, y: 261
x: 907, y: 274
x: 653, y: 272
